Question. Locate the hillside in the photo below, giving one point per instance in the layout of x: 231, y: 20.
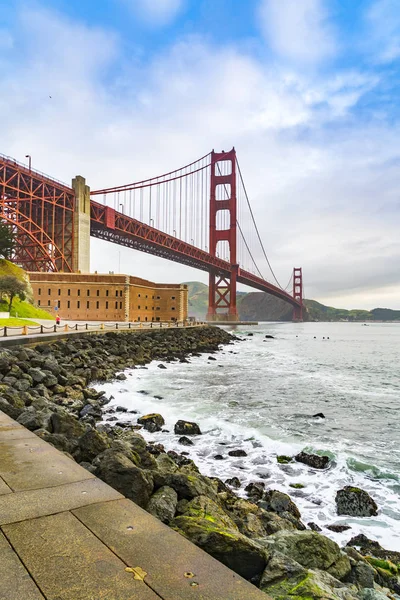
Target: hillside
x: 25, y: 309
x: 256, y: 306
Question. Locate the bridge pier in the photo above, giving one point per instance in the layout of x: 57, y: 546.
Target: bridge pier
x: 81, y: 231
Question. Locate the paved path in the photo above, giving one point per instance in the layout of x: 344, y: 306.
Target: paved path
x: 66, y: 535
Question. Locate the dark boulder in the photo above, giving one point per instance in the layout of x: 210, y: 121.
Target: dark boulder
x: 92, y: 443
x: 313, y: 460
x: 338, y: 528
x: 319, y: 416
x: 185, y: 441
x: 237, y: 453
x: 355, y: 502
x: 280, y: 503
x: 186, y: 428
x: 233, y: 482
x: 163, y: 503
x: 255, y: 490
x: 122, y: 474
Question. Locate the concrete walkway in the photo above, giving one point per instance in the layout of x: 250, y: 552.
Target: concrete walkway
x: 66, y: 535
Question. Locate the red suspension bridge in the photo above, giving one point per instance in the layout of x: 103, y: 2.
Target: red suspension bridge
x: 199, y: 215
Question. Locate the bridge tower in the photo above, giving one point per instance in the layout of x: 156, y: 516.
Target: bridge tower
x: 298, y: 294
x: 81, y: 230
x: 222, y: 289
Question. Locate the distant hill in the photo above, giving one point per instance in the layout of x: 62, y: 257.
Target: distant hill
x: 257, y: 306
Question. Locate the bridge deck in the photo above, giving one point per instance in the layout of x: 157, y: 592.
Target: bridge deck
x: 66, y: 535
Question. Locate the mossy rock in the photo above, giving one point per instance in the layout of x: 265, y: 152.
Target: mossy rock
x: 236, y: 551
x: 355, y: 502
x: 387, y: 565
x: 312, y: 550
x: 282, y: 459
x: 297, y: 486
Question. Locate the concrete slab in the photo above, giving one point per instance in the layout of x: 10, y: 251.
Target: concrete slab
x: 15, y: 433
x: 49, y: 501
x: 140, y: 539
x: 69, y: 563
x: 28, y: 464
x: 15, y: 581
x: 4, y: 489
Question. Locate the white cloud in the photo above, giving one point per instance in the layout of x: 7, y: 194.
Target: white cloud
x: 383, y: 36
x: 298, y: 30
x: 156, y: 12
x: 325, y: 196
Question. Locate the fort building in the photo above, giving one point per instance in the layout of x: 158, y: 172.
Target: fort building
x: 108, y: 297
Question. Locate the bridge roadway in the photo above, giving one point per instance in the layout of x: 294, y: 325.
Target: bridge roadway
x: 66, y: 535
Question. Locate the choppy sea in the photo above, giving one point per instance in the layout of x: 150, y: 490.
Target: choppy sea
x: 260, y: 395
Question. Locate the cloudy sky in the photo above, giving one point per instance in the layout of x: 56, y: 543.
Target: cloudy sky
x: 306, y: 90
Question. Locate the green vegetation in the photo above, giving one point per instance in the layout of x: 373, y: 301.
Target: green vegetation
x: 297, y: 486
x: 11, y: 322
x: 12, y: 286
x: 7, y: 240
x: 24, y: 309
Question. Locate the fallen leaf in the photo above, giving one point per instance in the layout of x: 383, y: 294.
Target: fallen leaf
x: 189, y: 575
x: 138, y: 572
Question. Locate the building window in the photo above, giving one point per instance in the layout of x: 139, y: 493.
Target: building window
x: 88, y: 292
x: 158, y: 297
x: 146, y: 295
x: 107, y: 293
x: 98, y: 293
x: 158, y: 308
x: 59, y: 304
x: 138, y: 318
x: 40, y: 291
x: 138, y: 307
x: 88, y: 304
x: 172, y: 297
x: 116, y: 293
x: 106, y: 305
x: 68, y: 304
x: 38, y: 303
x: 59, y: 291
x: 120, y: 304
x: 120, y: 293
x: 69, y: 292
x: 172, y: 307
x: 152, y: 297
x: 116, y: 305
x: 157, y: 318
x: 138, y: 295
x: 78, y: 304
x: 152, y: 308
x: 79, y: 292
x: 49, y: 303
x: 97, y: 304
x: 145, y: 308
x: 49, y: 292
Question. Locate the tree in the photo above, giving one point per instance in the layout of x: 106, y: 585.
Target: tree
x: 12, y: 286
x: 7, y: 240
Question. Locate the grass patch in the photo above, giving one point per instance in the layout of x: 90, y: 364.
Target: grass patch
x: 25, y: 310
x: 12, y: 322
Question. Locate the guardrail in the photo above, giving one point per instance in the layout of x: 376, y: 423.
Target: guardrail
x: 42, y: 329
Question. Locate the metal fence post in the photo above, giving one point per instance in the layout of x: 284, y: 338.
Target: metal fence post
x: 5, y: 331
x: 41, y: 329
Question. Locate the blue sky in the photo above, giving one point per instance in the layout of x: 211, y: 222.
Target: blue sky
x: 306, y: 90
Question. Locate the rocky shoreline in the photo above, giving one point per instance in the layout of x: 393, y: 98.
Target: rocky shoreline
x: 47, y: 389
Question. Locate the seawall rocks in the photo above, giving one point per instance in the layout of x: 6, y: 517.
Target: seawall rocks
x: 47, y: 388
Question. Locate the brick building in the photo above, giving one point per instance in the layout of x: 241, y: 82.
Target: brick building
x: 98, y: 297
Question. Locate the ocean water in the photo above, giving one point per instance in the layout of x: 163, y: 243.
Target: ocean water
x: 260, y: 395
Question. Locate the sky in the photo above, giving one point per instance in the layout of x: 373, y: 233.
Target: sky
x: 306, y: 90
